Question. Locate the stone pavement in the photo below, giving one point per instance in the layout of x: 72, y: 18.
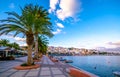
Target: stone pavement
x: 47, y: 69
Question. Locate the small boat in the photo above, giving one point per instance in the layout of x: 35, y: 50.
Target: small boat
x: 68, y: 61
x: 61, y: 59
x: 117, y: 74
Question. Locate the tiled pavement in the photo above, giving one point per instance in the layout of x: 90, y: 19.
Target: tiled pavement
x: 47, y: 69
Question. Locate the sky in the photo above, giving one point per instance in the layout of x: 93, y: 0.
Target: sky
x: 77, y: 23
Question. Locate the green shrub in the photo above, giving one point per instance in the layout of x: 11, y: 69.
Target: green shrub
x: 8, y: 58
x: 25, y: 64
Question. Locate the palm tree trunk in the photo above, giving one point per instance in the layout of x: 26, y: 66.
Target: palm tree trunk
x: 29, y: 40
x: 36, y: 46
x: 29, y: 59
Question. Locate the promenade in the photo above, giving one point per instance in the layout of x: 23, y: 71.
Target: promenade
x: 47, y: 69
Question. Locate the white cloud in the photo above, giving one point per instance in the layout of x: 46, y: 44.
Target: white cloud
x: 107, y: 45
x: 58, y: 31
x: 60, y: 25
x: 12, y: 6
x: 20, y: 39
x: 68, y: 8
x: 117, y: 44
x: 11, y: 38
x: 23, y: 44
x: 90, y: 43
x: 53, y: 4
x: 65, y: 8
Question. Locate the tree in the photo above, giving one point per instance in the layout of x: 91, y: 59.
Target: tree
x: 42, y: 44
x: 14, y: 45
x: 4, y: 42
x: 42, y: 25
x: 20, y: 24
x: 33, y: 21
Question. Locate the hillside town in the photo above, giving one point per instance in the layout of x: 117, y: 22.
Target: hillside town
x: 80, y: 51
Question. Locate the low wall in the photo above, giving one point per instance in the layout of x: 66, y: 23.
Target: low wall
x: 80, y: 73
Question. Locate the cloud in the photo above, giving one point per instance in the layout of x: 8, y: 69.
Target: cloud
x: 58, y: 31
x: 12, y: 6
x: 53, y: 4
x: 65, y: 8
x: 20, y: 39
x: 24, y: 44
x: 11, y: 38
x: 68, y: 8
x: 110, y: 45
x: 60, y: 25
x: 115, y: 43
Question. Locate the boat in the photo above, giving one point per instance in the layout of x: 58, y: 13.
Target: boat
x: 61, y: 59
x: 117, y: 73
x: 68, y: 61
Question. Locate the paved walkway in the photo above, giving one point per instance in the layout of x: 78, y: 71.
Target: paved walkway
x: 47, y: 69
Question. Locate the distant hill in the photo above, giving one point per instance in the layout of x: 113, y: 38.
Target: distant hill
x: 117, y: 49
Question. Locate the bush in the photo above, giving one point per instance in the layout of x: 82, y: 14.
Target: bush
x: 8, y: 58
x: 25, y: 64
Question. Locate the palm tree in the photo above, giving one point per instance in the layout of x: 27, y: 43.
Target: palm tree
x: 42, y: 44
x: 20, y: 24
x: 42, y: 25
x: 14, y: 45
x: 33, y: 21
x: 4, y: 42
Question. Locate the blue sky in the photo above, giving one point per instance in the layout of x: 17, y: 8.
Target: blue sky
x: 77, y: 23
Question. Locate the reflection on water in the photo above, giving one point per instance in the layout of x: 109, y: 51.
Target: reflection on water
x: 103, y: 66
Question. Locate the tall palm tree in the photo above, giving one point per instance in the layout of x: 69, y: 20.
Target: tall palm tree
x: 42, y: 24
x: 20, y: 24
x: 33, y: 21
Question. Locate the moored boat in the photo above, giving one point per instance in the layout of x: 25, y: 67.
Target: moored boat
x: 117, y: 73
x: 68, y: 61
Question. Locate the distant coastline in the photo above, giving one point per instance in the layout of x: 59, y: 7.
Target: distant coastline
x: 74, y: 54
x: 62, y: 51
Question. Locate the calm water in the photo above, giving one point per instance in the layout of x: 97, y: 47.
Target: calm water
x: 103, y: 66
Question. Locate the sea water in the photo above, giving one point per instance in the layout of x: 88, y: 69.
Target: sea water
x: 103, y: 66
